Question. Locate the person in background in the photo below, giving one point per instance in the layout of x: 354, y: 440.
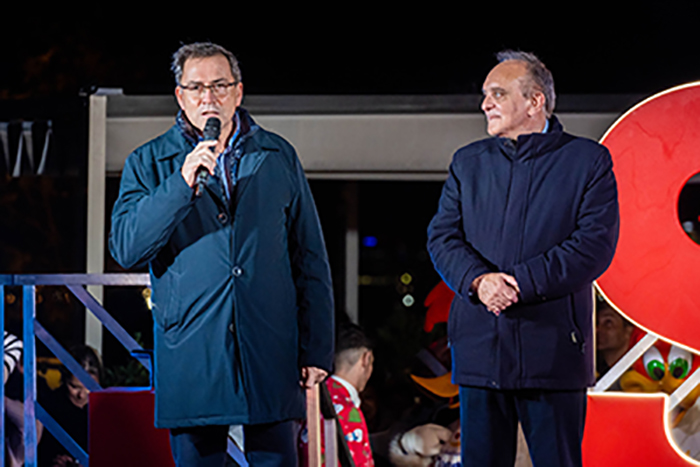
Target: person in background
x: 14, y: 408
x: 13, y: 352
x: 613, y: 333
x: 353, y: 364
x: 68, y: 406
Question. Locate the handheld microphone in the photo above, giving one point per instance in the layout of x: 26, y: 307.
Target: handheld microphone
x: 212, y: 130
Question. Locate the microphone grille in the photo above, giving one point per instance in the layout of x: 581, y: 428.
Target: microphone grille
x: 212, y: 129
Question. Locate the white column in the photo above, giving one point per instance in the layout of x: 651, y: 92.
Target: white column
x: 96, y: 210
x: 352, y: 253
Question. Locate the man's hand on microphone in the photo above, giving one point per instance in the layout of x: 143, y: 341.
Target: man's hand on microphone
x: 203, y: 154
x: 497, y: 291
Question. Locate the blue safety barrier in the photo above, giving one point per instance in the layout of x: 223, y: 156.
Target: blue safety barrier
x: 32, y: 328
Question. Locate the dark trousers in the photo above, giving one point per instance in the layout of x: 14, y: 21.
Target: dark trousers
x: 552, y: 422
x: 270, y: 444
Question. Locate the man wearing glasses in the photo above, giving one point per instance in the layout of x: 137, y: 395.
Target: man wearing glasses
x: 242, y: 297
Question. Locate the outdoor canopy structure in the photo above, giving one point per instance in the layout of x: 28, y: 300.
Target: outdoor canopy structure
x: 349, y: 138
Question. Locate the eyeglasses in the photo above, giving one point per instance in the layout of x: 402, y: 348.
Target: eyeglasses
x: 218, y: 89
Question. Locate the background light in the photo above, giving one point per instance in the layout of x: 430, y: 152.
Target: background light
x: 369, y: 241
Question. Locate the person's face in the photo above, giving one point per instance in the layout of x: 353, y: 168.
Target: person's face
x: 77, y: 392
x: 198, y: 107
x: 508, y: 113
x: 611, y: 331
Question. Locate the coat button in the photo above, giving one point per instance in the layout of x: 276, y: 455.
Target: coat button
x: 237, y: 271
x: 230, y: 327
x: 223, y: 217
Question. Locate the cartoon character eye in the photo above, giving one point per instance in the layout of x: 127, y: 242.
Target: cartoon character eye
x: 654, y: 364
x: 679, y: 362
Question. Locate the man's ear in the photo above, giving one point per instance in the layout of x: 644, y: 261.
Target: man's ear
x: 537, y: 102
x: 239, y: 94
x: 366, y: 358
x: 179, y: 96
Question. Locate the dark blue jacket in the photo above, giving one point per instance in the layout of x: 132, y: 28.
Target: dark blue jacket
x: 242, y: 295
x: 544, y: 210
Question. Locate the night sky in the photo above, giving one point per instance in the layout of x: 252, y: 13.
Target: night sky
x: 643, y: 48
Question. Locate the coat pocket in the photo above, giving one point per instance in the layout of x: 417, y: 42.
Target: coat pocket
x: 165, y: 300
x: 576, y: 336
x: 452, y: 318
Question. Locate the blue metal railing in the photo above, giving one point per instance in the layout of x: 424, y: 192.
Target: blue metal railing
x: 32, y: 328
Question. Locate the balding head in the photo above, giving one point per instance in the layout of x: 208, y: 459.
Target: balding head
x: 539, y: 78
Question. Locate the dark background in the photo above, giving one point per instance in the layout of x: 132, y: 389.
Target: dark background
x: 591, y: 47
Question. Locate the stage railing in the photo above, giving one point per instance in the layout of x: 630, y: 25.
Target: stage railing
x: 32, y: 328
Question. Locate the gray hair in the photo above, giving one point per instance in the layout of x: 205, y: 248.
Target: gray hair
x: 202, y: 50
x: 540, y: 77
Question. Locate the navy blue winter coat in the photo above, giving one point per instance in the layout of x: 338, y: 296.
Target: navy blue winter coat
x: 544, y: 210
x: 242, y: 295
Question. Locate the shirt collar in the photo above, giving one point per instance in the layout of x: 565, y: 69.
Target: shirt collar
x: 354, y: 395
x: 236, y: 132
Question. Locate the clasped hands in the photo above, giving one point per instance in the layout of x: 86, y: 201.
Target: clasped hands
x: 496, y: 290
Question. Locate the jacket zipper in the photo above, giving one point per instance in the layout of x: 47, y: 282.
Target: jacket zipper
x: 518, y: 338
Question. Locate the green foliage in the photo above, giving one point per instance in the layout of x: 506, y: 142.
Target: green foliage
x: 131, y: 374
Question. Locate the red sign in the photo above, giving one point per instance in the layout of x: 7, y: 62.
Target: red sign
x: 653, y: 278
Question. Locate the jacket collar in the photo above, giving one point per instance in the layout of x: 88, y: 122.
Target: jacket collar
x: 533, y: 144
x: 183, y: 135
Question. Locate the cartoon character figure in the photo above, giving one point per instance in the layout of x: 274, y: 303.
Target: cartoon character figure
x: 663, y: 368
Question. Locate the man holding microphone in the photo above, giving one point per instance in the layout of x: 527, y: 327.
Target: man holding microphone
x: 242, y: 297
